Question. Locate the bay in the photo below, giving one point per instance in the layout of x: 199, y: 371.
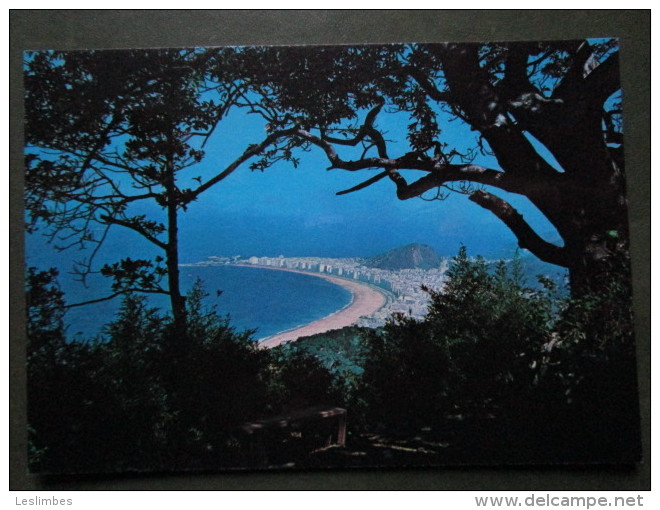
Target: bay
x: 267, y: 300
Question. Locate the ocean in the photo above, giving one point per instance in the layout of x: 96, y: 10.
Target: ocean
x: 269, y: 301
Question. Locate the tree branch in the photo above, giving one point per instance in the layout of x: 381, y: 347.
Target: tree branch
x: 251, y: 151
x: 135, y: 227
x: 575, y: 73
x: 112, y: 296
x: 526, y: 236
x: 426, y: 84
x: 486, y: 111
x: 337, y: 162
x: 366, y: 183
x: 222, y: 111
x: 603, y: 81
x: 439, y: 172
x: 367, y: 129
x: 516, y: 81
x: 454, y: 173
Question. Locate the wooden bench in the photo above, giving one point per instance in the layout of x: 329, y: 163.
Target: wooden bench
x: 323, y: 426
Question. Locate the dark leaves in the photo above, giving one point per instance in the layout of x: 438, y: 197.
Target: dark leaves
x: 139, y: 274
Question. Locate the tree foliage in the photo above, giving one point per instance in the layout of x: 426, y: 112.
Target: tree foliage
x: 140, y: 401
x: 106, y: 130
x: 473, y: 350
x: 497, y: 368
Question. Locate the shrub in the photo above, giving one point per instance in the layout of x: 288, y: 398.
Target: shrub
x: 472, y: 352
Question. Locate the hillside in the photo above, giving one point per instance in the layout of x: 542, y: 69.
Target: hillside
x: 411, y: 256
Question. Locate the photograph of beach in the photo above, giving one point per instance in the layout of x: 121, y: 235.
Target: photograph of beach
x: 312, y: 257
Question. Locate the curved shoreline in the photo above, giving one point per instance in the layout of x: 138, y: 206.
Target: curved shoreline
x: 365, y: 301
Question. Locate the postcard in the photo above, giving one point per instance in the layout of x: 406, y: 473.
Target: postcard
x: 281, y: 258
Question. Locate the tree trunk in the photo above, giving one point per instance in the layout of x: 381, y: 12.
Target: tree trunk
x: 177, y: 300
x: 585, y: 200
x: 597, y: 265
x: 593, y: 223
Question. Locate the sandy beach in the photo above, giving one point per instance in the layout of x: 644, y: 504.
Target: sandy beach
x: 366, y: 300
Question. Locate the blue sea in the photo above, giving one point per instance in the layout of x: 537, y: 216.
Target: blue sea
x: 269, y: 301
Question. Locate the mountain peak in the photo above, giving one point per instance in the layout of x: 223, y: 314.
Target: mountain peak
x: 410, y: 256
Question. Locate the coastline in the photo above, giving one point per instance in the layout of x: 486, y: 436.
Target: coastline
x: 365, y: 301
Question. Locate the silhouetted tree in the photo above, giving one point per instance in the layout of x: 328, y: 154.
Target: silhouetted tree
x: 516, y: 98
x: 109, y: 130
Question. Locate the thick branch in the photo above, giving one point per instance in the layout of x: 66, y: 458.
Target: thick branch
x: 586, y: 79
x: 486, y: 111
x: 526, y: 101
x: 526, y: 236
x: 516, y: 81
x: 366, y: 183
x: 367, y: 129
x: 438, y: 172
x: 454, y: 173
x: 337, y: 162
x: 575, y: 74
x: 603, y: 81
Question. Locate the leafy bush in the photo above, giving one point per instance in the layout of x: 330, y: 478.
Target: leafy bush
x: 588, y: 377
x: 216, y: 379
x: 404, y: 384
x: 530, y: 375
x: 482, y: 332
x: 71, y: 408
x: 495, y: 367
x: 299, y: 380
x: 144, y: 398
x: 149, y: 397
x: 339, y: 352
